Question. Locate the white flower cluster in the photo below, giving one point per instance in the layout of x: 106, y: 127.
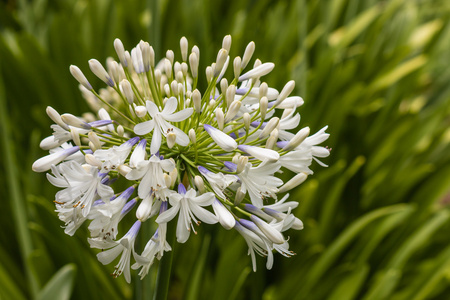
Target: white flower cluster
x: 179, y: 153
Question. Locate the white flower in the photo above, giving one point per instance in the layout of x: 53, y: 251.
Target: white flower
x: 222, y: 139
x: 115, y: 156
x: 124, y: 246
x: 106, y: 216
x: 226, y: 219
x: 218, y: 181
x: 161, y: 120
x: 259, y: 181
x: 189, y: 206
x: 151, y: 174
x: 81, y: 186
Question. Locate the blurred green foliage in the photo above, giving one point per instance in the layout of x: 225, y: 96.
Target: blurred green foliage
x: 376, y: 221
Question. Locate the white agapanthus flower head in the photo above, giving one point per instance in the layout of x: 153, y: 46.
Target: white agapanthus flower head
x: 174, y: 154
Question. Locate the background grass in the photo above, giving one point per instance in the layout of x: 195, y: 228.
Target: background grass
x: 377, y: 72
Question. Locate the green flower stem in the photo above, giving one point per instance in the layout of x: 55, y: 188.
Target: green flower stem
x: 165, y: 266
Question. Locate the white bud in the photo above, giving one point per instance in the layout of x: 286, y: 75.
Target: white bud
x: 193, y: 62
x: 124, y: 170
x: 75, y: 134
x: 126, y: 89
x: 144, y: 208
x: 99, y: 71
x: 223, y: 85
x: 233, y: 110
x: 174, y: 88
x: 257, y: 72
x: 171, y: 138
x: 192, y: 136
x: 263, y: 88
x: 294, y: 182
x: 263, y: 105
x: 239, y: 196
x: 209, y: 74
x: 49, y: 143
x: 79, y: 76
x: 146, y: 55
x: 272, y: 140
x: 71, y: 120
x: 286, y: 113
x: 184, y: 48
x: 211, y: 104
x: 173, y: 175
x: 246, y: 117
x: 248, y: 53
x: 226, y: 43
x: 298, y: 138
x: 226, y: 219
x: 91, y: 146
x: 220, y: 61
x: 136, y: 58
x: 184, y: 69
x: 229, y: 96
x: 271, y: 125
x: 93, y: 138
x: 243, y: 161
x: 118, y: 46
x: 44, y: 163
x: 179, y: 76
x: 170, y: 56
x: 222, y: 139
x: 260, y: 153
x: 168, y: 67
x: 158, y: 76
x: 90, y: 159
x: 196, y: 50
x: 237, y: 66
x: 176, y: 68
x: 167, y: 180
x: 270, y: 232
x: 120, y: 130
x: 152, y: 57
x: 129, y: 64
x: 199, y: 184
x: 286, y: 91
x: 197, y: 99
x: 219, y: 118
x: 56, y: 117
x: 140, y: 111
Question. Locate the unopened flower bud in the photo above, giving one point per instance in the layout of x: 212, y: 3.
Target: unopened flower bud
x: 168, y: 68
x: 248, y: 53
x: 239, y: 196
x: 220, y: 61
x: 126, y: 89
x: 271, y: 125
x: 146, y: 55
x: 170, y: 56
x: 192, y: 136
x: 99, y: 71
x: 263, y: 105
x: 272, y: 140
x: 44, y: 163
x: 173, y: 175
x: 118, y: 46
x: 75, y: 134
x: 223, y: 85
x: 286, y: 91
x: 184, y: 48
x: 90, y: 159
x: 184, y: 69
x: 297, y: 139
x: 193, y: 62
x: 124, y: 170
x: 199, y: 184
x: 209, y: 74
x: 92, y: 136
x: 197, y: 99
x: 219, y: 118
x: 270, y: 232
x: 246, y: 117
x: 257, y: 72
x: 226, y: 219
x: 229, y: 96
x: 294, y: 182
x: 79, y: 76
x: 263, y: 88
x: 120, y: 130
x: 226, y: 43
x: 243, y: 160
x: 73, y: 121
x: 144, y: 208
x: 233, y: 110
x: 56, y: 117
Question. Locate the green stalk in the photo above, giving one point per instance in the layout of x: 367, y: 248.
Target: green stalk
x: 165, y: 266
